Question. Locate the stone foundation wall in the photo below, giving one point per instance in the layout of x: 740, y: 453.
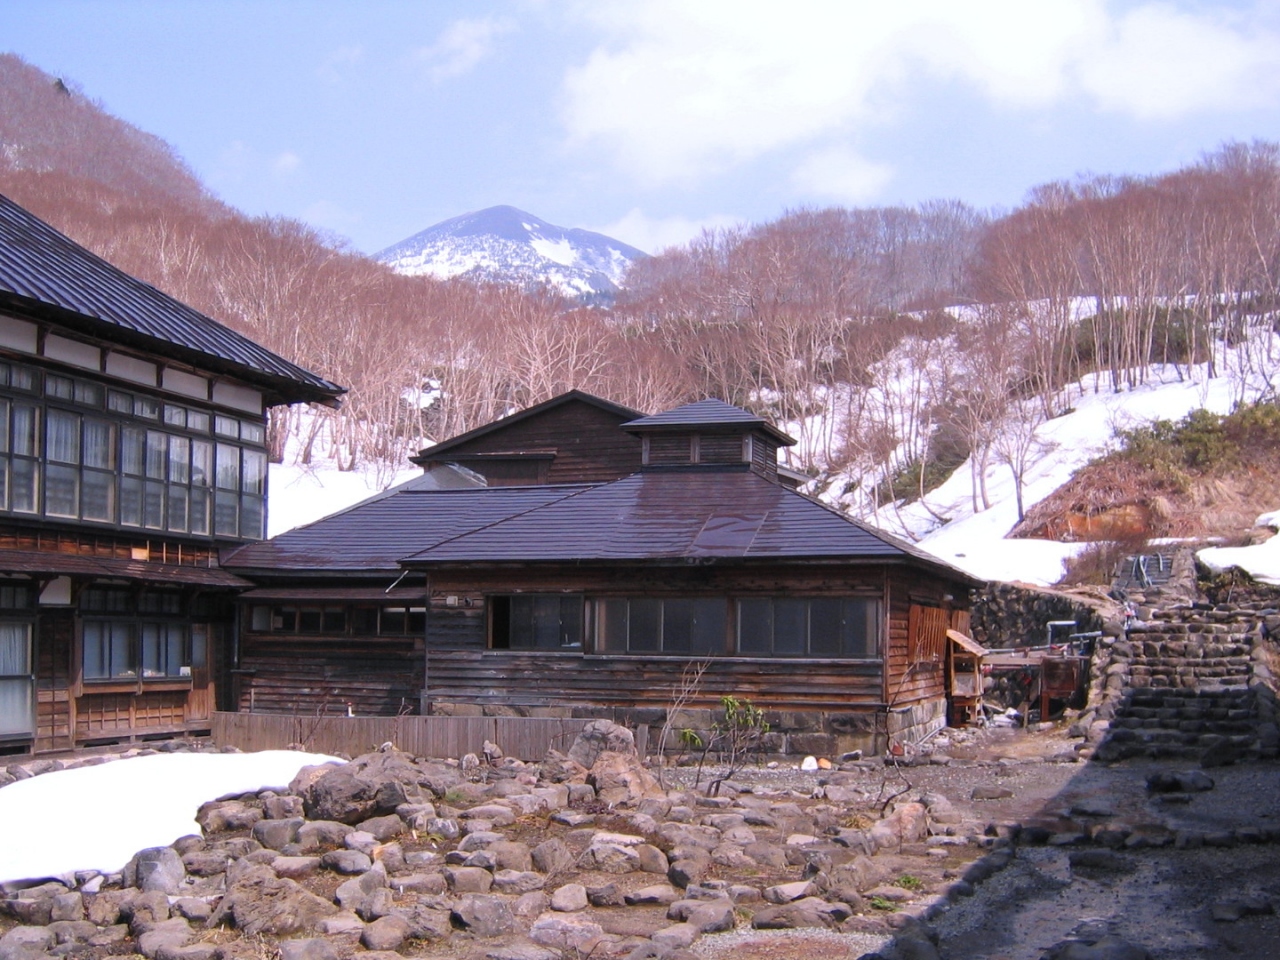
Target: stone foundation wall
x: 1009, y: 616
x: 1194, y: 681
x: 914, y: 722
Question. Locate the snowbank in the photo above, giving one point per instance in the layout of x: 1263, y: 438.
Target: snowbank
x: 97, y: 818
x: 1261, y: 561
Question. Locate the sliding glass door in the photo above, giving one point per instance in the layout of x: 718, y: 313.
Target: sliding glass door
x: 17, y: 681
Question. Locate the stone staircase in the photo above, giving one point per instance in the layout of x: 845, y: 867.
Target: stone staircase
x: 1189, y: 683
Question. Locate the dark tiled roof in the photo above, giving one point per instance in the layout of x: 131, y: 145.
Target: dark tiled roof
x: 706, y: 413
x: 681, y: 514
x: 39, y: 267
x: 39, y: 561
x: 444, y: 447
x: 375, y: 534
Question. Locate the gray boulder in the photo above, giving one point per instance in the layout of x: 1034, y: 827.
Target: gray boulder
x: 156, y: 868
x: 484, y: 916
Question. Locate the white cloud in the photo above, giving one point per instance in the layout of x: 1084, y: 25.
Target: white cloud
x: 462, y: 45
x: 286, y: 163
x: 677, y: 91
x: 841, y: 174
x: 654, y: 234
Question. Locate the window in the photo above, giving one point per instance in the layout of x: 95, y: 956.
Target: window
x: 531, y: 621
x: 846, y: 629
x: 16, y: 677
x: 682, y: 626
x: 334, y: 619
x: 81, y: 451
x: 130, y: 635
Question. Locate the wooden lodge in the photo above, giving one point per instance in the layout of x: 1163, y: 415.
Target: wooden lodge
x: 132, y: 449
x: 578, y: 559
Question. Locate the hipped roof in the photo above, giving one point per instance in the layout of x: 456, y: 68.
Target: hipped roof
x: 47, y: 275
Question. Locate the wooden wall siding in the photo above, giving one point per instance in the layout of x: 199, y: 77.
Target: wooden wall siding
x: 522, y: 737
x: 462, y: 625
x: 927, y: 629
x: 671, y: 448
x: 320, y: 676
x: 764, y: 457
x: 910, y: 679
x: 677, y: 579
x: 110, y: 547
x: 720, y: 448
x: 588, y: 445
x: 559, y: 679
x: 111, y: 715
x: 55, y: 642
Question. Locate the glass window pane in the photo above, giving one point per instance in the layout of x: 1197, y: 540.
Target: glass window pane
x: 99, y: 444
x: 175, y: 416
x: 364, y: 621
x: 255, y: 472
x: 309, y: 619
x: 677, y: 626
x: 644, y: 631
x: 790, y: 627
x: 197, y: 421
x: 62, y: 491
x: 157, y: 454
x: 251, y: 518
x: 707, y: 635
x: 130, y: 502
x: 89, y: 394
x: 226, y: 427
x: 22, y: 378
x: 252, y: 432
x: 153, y: 505
x: 60, y: 387
x: 611, y: 626
x: 26, y: 425
x: 179, y: 460
x: 199, y: 646
x: 826, y: 628
x: 177, y: 508
x: 177, y: 659
x: 62, y: 437
x: 755, y: 627
x: 96, y: 664
x: 26, y: 479
x: 133, y: 445
x: 4, y: 483
x: 392, y: 621
x: 228, y: 467
x: 416, y: 621
x: 226, y: 514
x: 15, y: 649
x: 153, y: 650
x: 201, y: 463
x: 862, y: 628
x: 546, y: 622
x: 521, y: 630
x: 120, y: 402
x: 4, y: 425
x: 571, y: 622
x: 198, y: 510
x: 98, y: 496
x: 146, y: 407
x: 334, y: 620
x: 122, y: 651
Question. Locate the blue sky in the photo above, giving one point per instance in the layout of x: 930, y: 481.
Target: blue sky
x: 654, y: 118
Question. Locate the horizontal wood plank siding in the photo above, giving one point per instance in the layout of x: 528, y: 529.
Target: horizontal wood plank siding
x: 588, y: 446
x: 521, y: 737
x: 542, y: 679
x: 319, y: 675
x: 912, y: 680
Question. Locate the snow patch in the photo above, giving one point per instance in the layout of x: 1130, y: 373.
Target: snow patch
x: 97, y: 818
x: 1261, y: 561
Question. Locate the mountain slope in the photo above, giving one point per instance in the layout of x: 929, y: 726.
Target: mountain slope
x: 505, y: 245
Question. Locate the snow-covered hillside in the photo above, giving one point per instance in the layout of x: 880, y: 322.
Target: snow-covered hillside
x: 505, y: 245
x: 950, y: 522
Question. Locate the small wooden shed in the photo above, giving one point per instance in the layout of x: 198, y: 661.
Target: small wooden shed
x: 964, y: 678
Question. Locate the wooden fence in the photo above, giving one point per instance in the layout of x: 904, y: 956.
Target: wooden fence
x: 527, y: 738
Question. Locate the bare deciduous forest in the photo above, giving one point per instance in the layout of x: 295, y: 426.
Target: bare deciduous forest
x: 840, y: 323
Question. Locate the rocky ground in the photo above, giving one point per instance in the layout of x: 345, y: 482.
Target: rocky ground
x: 1001, y: 844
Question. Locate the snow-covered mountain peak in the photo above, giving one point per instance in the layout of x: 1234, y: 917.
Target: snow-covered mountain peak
x: 506, y: 245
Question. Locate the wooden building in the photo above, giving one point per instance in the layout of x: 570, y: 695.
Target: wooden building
x: 585, y: 557
x: 132, y: 449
